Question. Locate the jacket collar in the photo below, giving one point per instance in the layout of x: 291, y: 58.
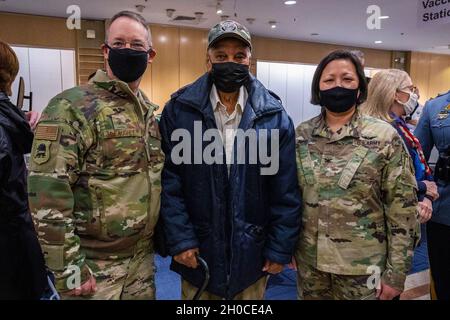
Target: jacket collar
x: 3, y: 96
x: 397, y: 119
x: 120, y: 88
x: 14, y: 122
x: 259, y: 99
x: 351, y: 129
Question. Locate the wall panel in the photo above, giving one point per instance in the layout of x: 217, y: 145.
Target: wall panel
x: 430, y: 73
x: 166, y: 66
x: 193, y: 45
x: 36, y: 31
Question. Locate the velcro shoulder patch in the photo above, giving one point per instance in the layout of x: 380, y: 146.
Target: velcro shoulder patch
x: 47, y: 132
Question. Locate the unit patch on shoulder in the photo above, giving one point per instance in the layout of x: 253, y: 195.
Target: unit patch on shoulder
x: 42, y: 152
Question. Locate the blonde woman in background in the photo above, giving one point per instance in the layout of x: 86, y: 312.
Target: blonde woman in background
x: 392, y: 97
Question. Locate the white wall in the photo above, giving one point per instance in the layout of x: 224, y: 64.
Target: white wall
x: 292, y: 83
x: 46, y: 72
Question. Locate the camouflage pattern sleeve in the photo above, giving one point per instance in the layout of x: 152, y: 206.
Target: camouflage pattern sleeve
x: 62, y: 137
x: 400, y: 201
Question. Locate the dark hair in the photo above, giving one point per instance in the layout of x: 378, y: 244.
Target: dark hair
x: 9, y: 67
x: 339, y: 55
x: 134, y: 16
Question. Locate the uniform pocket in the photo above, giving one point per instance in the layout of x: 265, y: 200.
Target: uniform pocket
x: 123, y: 144
x: 54, y: 256
x: 155, y: 196
x: 121, y: 140
x: 349, y: 172
x: 155, y: 150
x: 441, y: 132
x: 304, y: 165
x: 122, y: 206
x: 123, y: 150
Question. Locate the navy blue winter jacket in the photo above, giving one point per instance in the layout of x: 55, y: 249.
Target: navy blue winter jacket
x: 237, y: 220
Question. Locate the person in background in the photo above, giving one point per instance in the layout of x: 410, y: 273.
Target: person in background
x: 32, y: 118
x: 392, y: 97
x: 359, y: 193
x: 22, y: 267
x: 412, y: 119
x: 433, y: 130
x: 362, y: 58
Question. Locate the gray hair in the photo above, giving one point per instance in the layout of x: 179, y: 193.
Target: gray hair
x: 134, y: 16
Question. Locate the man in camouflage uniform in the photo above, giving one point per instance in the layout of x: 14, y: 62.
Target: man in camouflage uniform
x: 94, y: 185
x: 359, y: 218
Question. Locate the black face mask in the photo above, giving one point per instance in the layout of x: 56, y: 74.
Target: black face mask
x: 338, y: 99
x: 229, y: 76
x: 127, y: 64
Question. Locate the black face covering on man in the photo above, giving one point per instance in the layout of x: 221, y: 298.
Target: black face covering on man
x: 127, y: 64
x: 230, y: 76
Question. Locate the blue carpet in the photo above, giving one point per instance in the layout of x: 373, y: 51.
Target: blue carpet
x: 168, y: 283
x: 420, y: 260
x: 283, y: 286
x: 279, y: 287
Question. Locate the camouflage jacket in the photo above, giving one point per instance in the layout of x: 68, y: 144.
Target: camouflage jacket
x: 359, y: 199
x: 94, y: 184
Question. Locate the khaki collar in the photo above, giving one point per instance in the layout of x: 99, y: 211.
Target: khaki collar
x: 351, y: 129
x: 121, y: 89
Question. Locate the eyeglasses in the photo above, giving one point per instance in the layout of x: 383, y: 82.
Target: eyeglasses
x: 409, y: 89
x: 138, y: 46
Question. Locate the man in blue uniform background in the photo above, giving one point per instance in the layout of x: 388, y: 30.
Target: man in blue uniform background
x: 433, y: 130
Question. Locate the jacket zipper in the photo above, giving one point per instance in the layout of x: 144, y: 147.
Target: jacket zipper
x: 252, y: 121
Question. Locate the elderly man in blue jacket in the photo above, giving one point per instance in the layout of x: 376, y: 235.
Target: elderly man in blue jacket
x: 229, y: 185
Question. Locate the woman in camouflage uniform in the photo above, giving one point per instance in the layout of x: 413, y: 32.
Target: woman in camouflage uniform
x: 359, y: 193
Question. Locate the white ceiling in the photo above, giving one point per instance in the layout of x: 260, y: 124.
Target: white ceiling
x: 336, y: 21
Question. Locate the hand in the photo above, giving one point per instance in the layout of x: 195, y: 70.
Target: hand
x: 432, y: 189
x: 188, y: 258
x: 293, y: 264
x: 33, y: 118
x: 272, y: 267
x: 387, y: 293
x: 87, y: 288
x: 425, y: 210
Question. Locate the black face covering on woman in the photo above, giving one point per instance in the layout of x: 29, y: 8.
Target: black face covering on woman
x: 338, y: 99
